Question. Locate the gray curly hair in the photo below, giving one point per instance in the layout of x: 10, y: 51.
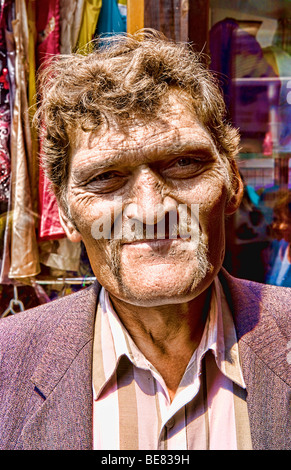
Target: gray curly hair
x: 129, y: 76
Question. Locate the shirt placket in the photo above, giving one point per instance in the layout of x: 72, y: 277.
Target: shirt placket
x: 173, y: 430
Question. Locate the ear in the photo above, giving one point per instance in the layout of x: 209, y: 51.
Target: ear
x: 72, y: 233
x: 237, y: 193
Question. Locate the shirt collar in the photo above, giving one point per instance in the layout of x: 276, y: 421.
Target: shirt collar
x: 112, y: 341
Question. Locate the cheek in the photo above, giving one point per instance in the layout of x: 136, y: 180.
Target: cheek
x: 94, y: 217
x: 212, y: 218
x: 211, y: 195
x: 212, y: 202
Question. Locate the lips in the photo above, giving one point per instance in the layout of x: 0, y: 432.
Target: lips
x: 153, y: 247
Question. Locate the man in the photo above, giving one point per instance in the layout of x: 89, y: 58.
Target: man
x: 166, y: 351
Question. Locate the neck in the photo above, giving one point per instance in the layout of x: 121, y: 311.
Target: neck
x: 167, y: 335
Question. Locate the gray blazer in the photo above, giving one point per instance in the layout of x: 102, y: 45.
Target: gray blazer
x: 46, y: 358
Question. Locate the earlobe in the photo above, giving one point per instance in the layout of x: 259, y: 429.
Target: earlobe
x: 68, y: 226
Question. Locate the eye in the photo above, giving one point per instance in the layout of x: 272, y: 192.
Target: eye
x: 184, y: 161
x: 184, y: 168
x: 106, y: 176
x: 106, y: 182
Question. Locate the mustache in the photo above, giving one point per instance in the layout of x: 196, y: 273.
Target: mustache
x: 113, y: 255
x: 174, y: 224
x: 167, y: 228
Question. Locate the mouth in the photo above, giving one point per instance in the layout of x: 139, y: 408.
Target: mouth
x: 159, y: 247
x: 155, y: 240
x: 168, y: 236
x: 154, y: 244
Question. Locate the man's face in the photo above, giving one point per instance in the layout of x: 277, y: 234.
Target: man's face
x: 132, y: 174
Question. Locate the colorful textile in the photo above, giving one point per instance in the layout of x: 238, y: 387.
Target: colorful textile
x: 48, y: 37
x: 5, y: 116
x: 71, y: 15
x: 4, y: 152
x: 23, y: 248
x: 112, y: 19
x: 90, y: 18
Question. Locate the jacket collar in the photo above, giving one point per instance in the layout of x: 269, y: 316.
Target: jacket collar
x: 260, y: 325
x: 74, y: 330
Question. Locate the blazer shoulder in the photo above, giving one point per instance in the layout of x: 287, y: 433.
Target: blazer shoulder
x: 253, y: 302
x: 262, y: 320
x: 278, y: 301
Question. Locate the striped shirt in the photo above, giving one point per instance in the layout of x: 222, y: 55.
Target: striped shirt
x: 132, y: 408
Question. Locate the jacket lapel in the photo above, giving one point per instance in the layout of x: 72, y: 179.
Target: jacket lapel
x: 63, y: 379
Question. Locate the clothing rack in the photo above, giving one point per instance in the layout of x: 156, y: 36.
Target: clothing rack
x: 16, y: 305
x: 67, y: 280
x: 15, y: 302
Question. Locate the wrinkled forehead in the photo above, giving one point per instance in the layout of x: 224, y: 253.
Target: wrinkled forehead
x: 177, y: 127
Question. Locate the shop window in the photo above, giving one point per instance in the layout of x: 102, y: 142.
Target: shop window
x: 249, y: 45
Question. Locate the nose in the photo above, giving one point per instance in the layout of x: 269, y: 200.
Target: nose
x: 151, y: 201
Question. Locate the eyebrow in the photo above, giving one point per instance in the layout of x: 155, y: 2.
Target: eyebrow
x: 122, y: 156
x: 190, y: 148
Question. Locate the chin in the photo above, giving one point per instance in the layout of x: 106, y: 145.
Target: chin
x: 170, y: 288
x: 144, y: 279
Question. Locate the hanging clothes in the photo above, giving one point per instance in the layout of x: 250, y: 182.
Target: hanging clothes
x: 5, y: 114
x: 71, y: 14
x: 5, y: 166
x: 32, y: 98
x: 7, y: 15
x: 24, y: 251
x: 4, y: 153
x: 49, y: 227
x: 5, y: 119
x: 47, y: 17
x: 60, y: 254
x: 48, y: 30
x: 91, y: 12
x: 112, y: 19
x: 122, y: 7
x: 10, y: 50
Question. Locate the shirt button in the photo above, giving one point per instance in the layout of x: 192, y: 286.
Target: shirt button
x: 170, y: 423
